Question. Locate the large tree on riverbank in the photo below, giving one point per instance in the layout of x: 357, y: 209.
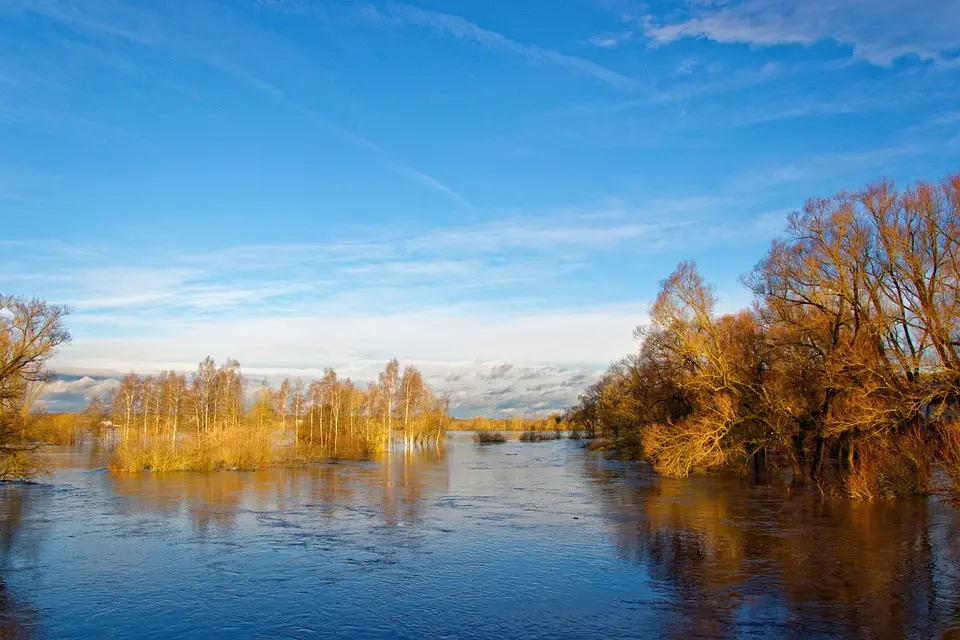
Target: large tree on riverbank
x: 30, y: 332
x: 848, y: 359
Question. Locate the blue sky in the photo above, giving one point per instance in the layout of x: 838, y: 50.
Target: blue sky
x: 490, y: 190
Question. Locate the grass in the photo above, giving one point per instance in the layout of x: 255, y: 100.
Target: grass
x: 231, y: 449
x: 489, y: 437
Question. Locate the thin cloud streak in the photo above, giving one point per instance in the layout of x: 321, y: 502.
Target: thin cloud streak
x: 389, y: 272
x: 463, y: 29
x: 209, y: 28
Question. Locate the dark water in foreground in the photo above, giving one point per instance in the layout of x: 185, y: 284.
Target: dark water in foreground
x: 540, y: 540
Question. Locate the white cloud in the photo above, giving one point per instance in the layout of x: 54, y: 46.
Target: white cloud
x: 582, y: 336
x: 880, y: 31
x: 85, y: 385
x: 553, y: 356
x: 457, y: 300
x: 73, y: 394
x: 611, y: 40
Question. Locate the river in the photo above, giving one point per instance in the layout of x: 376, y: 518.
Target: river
x: 517, y: 540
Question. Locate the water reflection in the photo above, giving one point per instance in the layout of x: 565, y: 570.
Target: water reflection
x: 737, y: 560
x: 18, y: 620
x: 539, y: 540
x: 394, y: 488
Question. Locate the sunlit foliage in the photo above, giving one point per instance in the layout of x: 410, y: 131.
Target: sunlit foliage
x: 513, y: 423
x: 30, y: 332
x: 845, y: 371
x: 205, y: 422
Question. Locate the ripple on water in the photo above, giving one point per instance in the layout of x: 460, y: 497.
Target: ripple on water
x: 538, y: 540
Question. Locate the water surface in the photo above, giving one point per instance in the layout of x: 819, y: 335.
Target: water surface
x: 519, y: 540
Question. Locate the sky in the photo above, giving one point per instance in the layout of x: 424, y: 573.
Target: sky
x: 491, y: 191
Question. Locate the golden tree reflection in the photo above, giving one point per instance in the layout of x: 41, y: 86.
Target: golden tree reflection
x: 392, y: 488
x: 725, y: 552
x: 18, y: 621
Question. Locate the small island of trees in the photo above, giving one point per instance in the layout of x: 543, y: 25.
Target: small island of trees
x: 167, y: 422
x: 206, y: 421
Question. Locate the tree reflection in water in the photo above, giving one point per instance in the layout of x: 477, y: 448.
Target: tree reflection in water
x: 728, y: 558
x: 18, y: 621
x: 471, y: 542
x: 391, y: 489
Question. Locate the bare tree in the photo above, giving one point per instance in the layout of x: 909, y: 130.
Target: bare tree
x: 30, y: 332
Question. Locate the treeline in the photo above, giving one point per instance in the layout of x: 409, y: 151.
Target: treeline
x: 171, y: 422
x: 845, y: 370
x: 513, y: 423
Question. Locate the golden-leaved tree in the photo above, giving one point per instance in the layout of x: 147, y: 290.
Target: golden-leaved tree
x: 30, y: 332
x: 847, y: 366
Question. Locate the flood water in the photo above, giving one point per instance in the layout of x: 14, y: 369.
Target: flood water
x: 519, y: 540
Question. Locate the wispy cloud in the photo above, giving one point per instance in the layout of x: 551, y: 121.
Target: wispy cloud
x: 206, y: 33
x: 447, y: 299
x: 611, y: 40
x: 375, y: 269
x: 433, y: 183
x: 880, y: 31
x: 463, y: 29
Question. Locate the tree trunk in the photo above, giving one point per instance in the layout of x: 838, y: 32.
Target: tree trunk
x: 760, y: 463
x: 817, y: 458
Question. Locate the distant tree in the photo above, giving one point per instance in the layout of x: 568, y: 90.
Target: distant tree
x: 388, y: 381
x: 283, y: 400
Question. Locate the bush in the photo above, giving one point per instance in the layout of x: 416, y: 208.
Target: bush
x: 949, y: 455
x: 489, y: 437
x: 689, y: 446
x: 539, y: 436
x: 890, y: 467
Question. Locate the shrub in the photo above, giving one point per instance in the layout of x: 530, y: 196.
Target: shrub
x: 489, y: 437
x: 889, y: 467
x: 690, y: 446
x: 949, y: 455
x: 539, y: 436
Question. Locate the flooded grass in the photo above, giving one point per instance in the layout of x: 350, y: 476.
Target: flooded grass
x: 233, y: 449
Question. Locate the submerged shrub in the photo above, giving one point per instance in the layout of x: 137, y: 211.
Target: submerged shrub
x: 890, y: 467
x: 540, y: 436
x: 489, y: 437
x: 949, y: 455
